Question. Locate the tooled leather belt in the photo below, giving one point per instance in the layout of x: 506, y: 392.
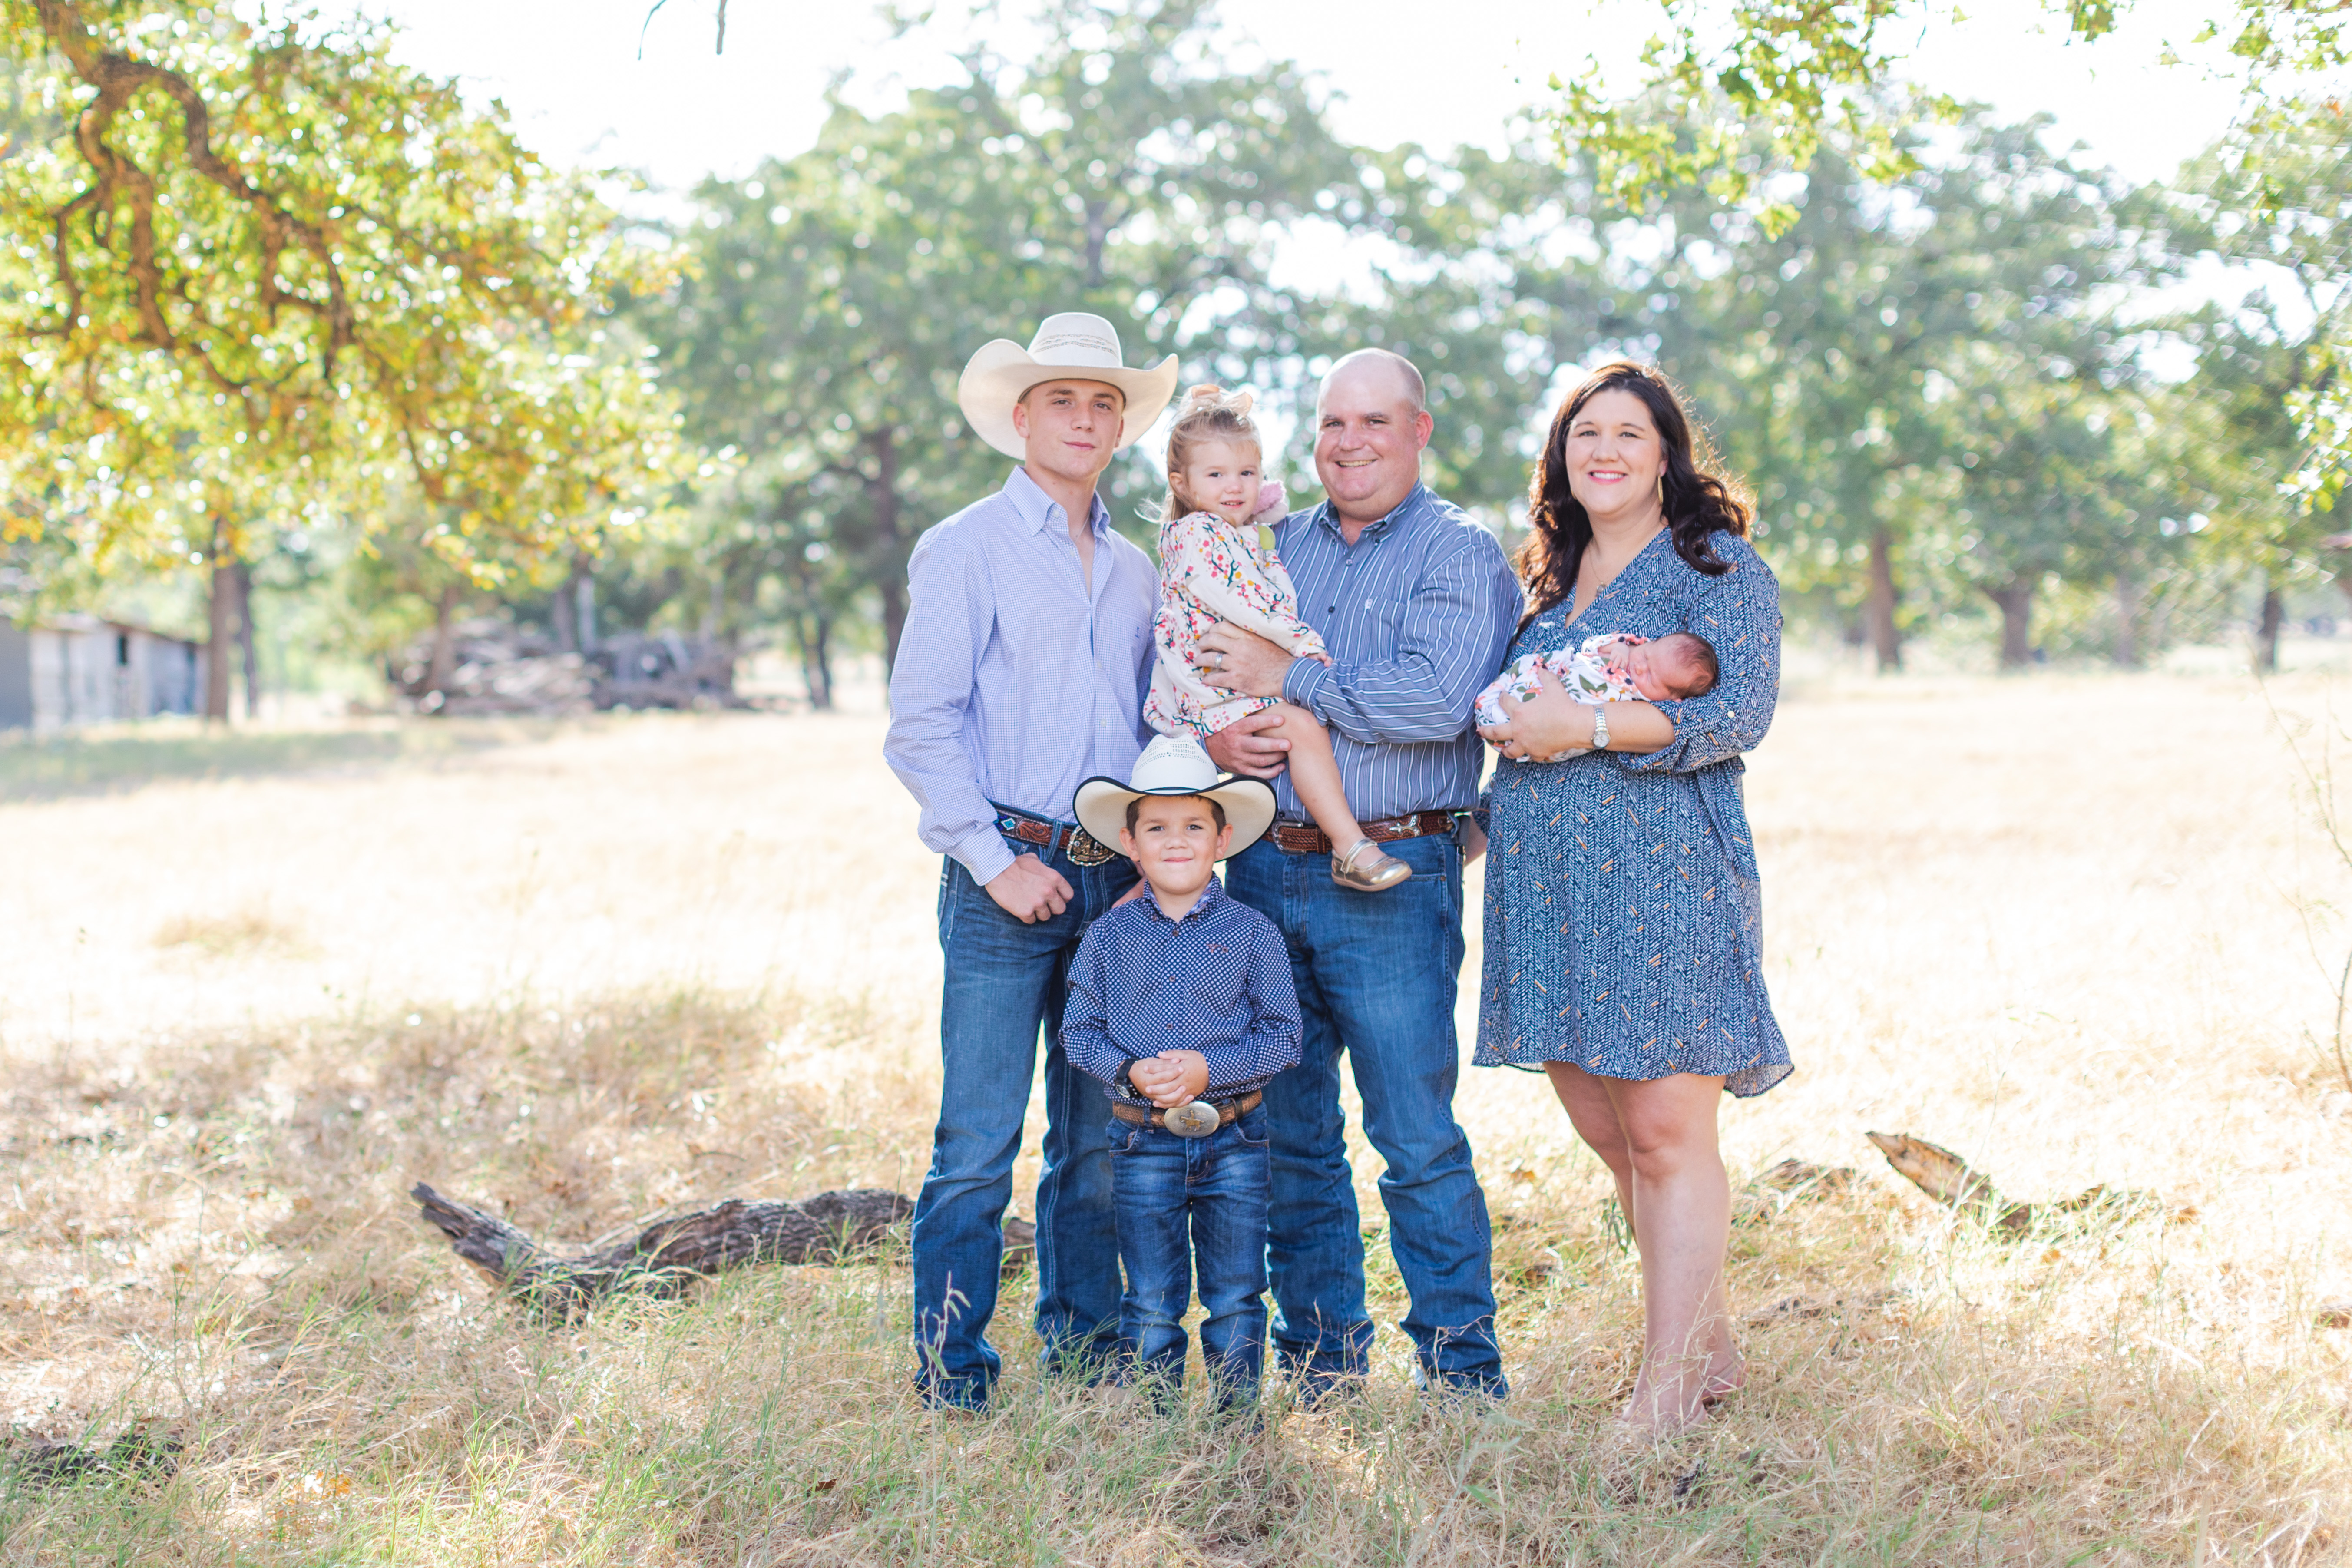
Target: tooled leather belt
x: 1306, y: 838
x: 1189, y: 1120
x: 1083, y: 848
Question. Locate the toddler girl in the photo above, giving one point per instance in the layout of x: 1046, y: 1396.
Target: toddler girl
x: 1217, y: 564
x: 1614, y: 666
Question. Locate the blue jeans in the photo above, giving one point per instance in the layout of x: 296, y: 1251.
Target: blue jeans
x: 1004, y: 981
x: 1188, y: 1204
x: 1376, y: 975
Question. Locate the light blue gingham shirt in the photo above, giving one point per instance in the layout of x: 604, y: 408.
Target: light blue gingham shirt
x: 1015, y: 681
x: 1416, y: 614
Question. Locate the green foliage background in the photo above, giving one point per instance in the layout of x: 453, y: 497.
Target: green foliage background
x: 1930, y: 345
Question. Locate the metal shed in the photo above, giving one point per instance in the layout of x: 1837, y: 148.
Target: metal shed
x: 80, y: 669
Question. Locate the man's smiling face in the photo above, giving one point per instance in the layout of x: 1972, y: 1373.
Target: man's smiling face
x: 1070, y: 427
x: 1368, y: 439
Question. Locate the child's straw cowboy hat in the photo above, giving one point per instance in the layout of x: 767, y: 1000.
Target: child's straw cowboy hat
x: 1176, y: 765
x: 1073, y: 346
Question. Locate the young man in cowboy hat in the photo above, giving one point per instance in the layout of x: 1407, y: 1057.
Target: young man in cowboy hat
x: 1022, y: 672
x: 1181, y: 1004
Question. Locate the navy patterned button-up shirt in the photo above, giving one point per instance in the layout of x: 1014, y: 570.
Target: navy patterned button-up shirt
x: 1216, y: 981
x: 1417, y: 614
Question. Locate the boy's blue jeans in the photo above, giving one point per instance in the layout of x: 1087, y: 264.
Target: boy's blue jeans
x: 1004, y: 982
x: 1187, y: 1204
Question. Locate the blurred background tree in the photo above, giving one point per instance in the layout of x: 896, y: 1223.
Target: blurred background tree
x: 830, y: 301
x: 251, y: 275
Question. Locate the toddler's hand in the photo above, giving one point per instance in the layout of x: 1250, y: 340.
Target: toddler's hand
x: 1271, y: 502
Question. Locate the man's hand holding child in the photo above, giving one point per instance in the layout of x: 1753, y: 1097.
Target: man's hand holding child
x: 1171, y: 1078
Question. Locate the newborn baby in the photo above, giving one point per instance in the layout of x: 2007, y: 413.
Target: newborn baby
x: 1614, y: 666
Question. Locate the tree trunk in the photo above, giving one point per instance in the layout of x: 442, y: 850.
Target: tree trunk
x: 220, y: 622
x: 245, y: 641
x: 2130, y: 647
x: 584, y: 600
x: 444, y: 663
x: 562, y: 610
x: 2015, y: 599
x: 814, y: 635
x: 2266, y: 631
x: 891, y: 585
x: 1878, y: 608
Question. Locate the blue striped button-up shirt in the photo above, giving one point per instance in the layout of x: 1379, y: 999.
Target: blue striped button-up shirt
x: 1216, y: 981
x: 1417, y: 615
x: 1016, y: 680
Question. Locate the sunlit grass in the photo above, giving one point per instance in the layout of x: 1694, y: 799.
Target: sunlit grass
x: 593, y: 975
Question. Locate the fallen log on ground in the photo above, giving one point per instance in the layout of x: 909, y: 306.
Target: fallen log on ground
x: 667, y: 1256
x: 1946, y: 1178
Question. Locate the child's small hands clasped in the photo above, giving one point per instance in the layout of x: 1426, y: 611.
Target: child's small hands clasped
x: 1171, y: 1078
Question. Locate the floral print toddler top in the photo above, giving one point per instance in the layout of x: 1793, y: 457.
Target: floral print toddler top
x: 1623, y: 917
x: 1212, y: 571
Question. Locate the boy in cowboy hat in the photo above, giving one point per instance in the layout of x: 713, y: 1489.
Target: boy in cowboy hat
x: 1021, y: 672
x: 1181, y: 1004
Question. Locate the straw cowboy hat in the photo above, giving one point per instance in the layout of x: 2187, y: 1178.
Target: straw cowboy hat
x: 1175, y: 765
x: 1073, y: 346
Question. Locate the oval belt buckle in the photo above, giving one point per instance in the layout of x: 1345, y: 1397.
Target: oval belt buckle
x: 1196, y: 1118
x: 1085, y: 849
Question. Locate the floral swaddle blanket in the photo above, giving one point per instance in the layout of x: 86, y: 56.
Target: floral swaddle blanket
x: 1584, y: 670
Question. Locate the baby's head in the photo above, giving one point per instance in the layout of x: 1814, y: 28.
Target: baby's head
x: 1674, y: 668
x: 1215, y: 460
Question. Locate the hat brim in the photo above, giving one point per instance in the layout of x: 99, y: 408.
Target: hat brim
x: 1002, y: 371
x: 1101, y: 808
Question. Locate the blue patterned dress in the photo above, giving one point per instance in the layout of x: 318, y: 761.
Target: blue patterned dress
x: 1623, y: 907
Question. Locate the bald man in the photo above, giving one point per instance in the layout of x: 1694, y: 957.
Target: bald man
x: 1417, y: 605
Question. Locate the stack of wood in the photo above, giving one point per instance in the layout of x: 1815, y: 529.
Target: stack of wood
x: 496, y: 668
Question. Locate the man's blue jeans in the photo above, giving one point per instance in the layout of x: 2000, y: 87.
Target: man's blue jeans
x: 1187, y: 1203
x: 1376, y: 975
x: 1004, y: 981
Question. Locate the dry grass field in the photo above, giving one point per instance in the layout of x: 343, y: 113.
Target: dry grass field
x: 251, y: 989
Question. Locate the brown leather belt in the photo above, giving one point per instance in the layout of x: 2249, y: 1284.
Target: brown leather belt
x: 1228, y: 1113
x: 1083, y: 848
x: 1306, y: 838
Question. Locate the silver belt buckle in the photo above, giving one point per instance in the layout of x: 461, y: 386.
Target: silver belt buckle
x: 1196, y: 1118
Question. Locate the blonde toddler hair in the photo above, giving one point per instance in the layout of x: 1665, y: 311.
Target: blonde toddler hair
x: 1210, y: 413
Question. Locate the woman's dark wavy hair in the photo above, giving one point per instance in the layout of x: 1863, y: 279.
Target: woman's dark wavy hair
x: 1698, y: 504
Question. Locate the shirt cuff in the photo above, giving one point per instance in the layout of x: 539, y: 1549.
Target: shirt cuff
x: 1303, y: 681
x: 985, y: 855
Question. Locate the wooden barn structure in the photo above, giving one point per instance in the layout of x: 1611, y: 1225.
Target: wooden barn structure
x: 69, y: 670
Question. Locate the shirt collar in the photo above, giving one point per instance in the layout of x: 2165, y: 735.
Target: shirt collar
x: 1211, y: 896
x: 1330, y: 520
x: 1037, y: 509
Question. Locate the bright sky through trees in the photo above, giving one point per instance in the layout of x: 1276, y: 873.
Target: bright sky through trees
x: 569, y: 71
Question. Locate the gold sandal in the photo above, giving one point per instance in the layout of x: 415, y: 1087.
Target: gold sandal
x: 1372, y: 872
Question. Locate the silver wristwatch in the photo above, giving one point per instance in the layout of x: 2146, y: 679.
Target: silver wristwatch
x: 1600, y: 729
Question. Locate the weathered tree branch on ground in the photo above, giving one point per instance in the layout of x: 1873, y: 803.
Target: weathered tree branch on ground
x: 1946, y: 1178
x: 666, y: 1256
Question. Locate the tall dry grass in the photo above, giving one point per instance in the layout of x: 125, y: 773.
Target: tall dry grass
x: 598, y: 973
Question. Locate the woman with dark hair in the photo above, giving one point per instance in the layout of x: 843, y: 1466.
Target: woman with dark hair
x: 1623, y: 909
